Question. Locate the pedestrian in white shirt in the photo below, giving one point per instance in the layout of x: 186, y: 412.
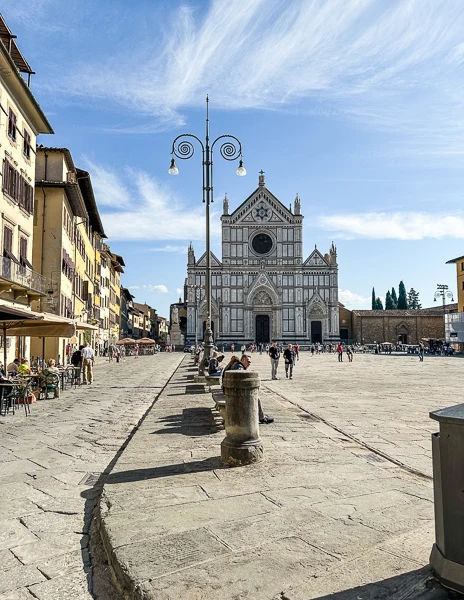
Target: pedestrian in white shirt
x: 88, y: 359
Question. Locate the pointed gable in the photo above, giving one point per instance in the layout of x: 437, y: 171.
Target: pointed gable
x: 261, y: 207
x: 315, y: 259
x: 215, y: 262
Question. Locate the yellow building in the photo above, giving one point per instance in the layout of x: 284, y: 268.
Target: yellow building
x: 111, y: 291
x: 459, y: 262
x: 67, y: 242
x: 21, y: 120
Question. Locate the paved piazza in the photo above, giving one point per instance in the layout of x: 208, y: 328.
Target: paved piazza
x: 382, y: 401
x: 327, y: 496
x: 50, y: 467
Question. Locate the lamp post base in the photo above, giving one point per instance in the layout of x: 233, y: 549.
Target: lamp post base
x: 208, y: 346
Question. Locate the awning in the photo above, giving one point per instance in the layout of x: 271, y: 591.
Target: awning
x: 25, y: 263
x: 80, y: 325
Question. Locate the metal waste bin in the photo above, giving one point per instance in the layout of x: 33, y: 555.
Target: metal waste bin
x: 447, y: 557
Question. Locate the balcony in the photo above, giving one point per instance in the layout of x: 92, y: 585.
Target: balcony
x: 21, y: 280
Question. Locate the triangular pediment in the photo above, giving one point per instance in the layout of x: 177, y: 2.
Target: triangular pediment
x: 262, y: 286
x: 316, y: 259
x: 215, y: 262
x: 262, y: 207
x: 316, y: 305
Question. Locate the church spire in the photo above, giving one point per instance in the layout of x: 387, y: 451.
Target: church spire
x: 297, y: 206
x: 225, y: 205
x: 191, y: 254
x: 261, y: 178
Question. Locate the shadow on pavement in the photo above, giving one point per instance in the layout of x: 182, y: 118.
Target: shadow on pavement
x: 194, y: 422
x: 415, y: 585
x: 208, y: 464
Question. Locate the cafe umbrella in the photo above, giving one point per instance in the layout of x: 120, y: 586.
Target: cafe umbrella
x: 15, y: 321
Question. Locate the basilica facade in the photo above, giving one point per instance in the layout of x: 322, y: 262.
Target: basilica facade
x: 264, y: 289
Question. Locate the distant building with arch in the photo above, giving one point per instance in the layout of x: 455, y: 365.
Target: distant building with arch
x: 264, y: 289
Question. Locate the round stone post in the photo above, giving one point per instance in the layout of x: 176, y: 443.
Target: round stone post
x: 242, y: 445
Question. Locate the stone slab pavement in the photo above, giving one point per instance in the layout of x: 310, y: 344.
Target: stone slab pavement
x: 382, y: 401
x: 50, y: 478
x: 323, y: 516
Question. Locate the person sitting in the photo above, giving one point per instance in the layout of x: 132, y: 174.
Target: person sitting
x: 48, y: 383
x: 24, y: 368
x: 13, y: 367
x: 242, y: 365
x: 214, y: 369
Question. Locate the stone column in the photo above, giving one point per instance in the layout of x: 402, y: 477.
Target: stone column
x: 242, y: 445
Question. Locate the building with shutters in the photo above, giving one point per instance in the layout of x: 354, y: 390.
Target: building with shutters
x: 21, y: 120
x: 263, y: 288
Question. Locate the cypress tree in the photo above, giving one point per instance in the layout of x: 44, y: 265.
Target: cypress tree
x: 394, y: 298
x: 389, y: 302
x: 402, y: 299
x: 378, y: 304
x: 373, y: 299
x: 413, y: 299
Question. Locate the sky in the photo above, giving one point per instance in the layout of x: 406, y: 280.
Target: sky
x: 356, y: 105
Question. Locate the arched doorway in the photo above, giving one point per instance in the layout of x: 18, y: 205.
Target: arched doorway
x: 316, y: 332
x: 402, y: 334
x: 262, y: 329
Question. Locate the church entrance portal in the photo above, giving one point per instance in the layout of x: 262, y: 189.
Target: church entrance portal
x: 262, y: 329
x: 316, y: 332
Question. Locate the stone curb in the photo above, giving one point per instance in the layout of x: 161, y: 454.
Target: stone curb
x: 121, y: 577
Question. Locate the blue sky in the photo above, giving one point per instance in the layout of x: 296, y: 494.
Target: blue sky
x: 356, y: 105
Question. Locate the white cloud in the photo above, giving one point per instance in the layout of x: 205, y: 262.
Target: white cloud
x: 144, y: 209
x: 398, y: 225
x: 169, y: 248
x: 134, y: 287
x: 353, y: 300
x: 179, y: 291
x: 108, y: 188
x: 390, y: 64
x: 160, y: 288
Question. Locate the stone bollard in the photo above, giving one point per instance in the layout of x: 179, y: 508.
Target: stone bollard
x: 447, y: 557
x: 242, y: 445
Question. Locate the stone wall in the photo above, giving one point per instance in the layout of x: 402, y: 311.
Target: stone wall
x: 369, y: 329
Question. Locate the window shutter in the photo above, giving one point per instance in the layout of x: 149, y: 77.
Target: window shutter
x: 85, y: 290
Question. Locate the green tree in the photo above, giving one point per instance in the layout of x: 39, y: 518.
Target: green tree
x: 389, y: 302
x: 394, y: 298
x: 373, y: 299
x: 402, y: 299
x: 378, y: 304
x: 413, y: 299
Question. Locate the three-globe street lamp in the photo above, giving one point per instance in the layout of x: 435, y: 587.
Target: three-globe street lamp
x: 443, y: 292
x: 231, y: 149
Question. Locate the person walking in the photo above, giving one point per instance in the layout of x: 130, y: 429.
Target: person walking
x: 289, y: 357
x: 110, y: 352
x: 340, y: 352
x: 296, y: 348
x: 275, y: 355
x: 88, y: 360
x: 349, y: 353
x: 136, y: 350
x: 242, y: 365
x: 421, y: 351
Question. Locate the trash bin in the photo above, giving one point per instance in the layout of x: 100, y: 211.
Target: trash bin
x: 447, y: 557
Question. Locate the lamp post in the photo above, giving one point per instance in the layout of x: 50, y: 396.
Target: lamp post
x: 230, y: 149
x: 443, y: 292
x: 196, y: 293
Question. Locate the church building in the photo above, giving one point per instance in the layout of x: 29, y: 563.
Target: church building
x: 264, y: 289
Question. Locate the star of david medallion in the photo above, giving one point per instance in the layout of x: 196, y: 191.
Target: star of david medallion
x: 262, y: 213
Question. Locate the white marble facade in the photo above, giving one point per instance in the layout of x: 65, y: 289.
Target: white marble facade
x: 264, y: 290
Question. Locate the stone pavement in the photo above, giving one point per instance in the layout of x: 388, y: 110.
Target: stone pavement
x: 380, y: 400
x: 323, y: 516
x: 50, y: 478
